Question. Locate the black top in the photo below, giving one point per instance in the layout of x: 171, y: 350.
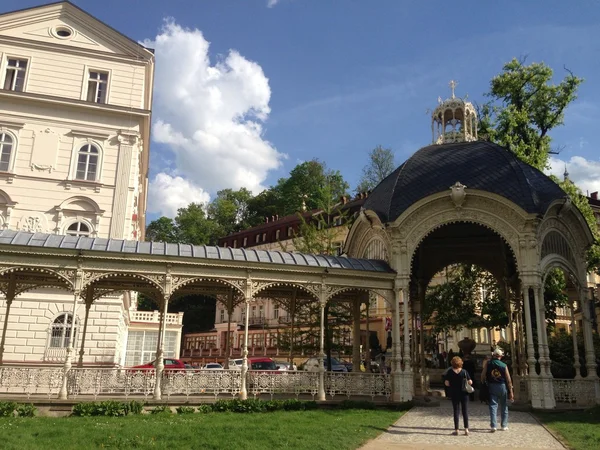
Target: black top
x: 477, y: 165
x: 456, y: 382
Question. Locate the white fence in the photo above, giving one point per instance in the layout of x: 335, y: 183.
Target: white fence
x: 582, y: 392
x: 115, y: 383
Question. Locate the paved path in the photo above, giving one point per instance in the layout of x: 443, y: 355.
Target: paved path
x: 431, y: 427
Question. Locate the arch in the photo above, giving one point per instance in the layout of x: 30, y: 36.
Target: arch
x: 555, y: 243
x: 557, y: 261
x: 63, y: 277
x: 63, y: 331
x: 8, y: 149
x: 5, y: 199
x: 311, y: 291
x: 87, y: 167
x: 384, y: 294
x: 95, y: 279
x: 78, y: 227
x: 189, y: 281
x: 80, y: 203
x: 376, y: 248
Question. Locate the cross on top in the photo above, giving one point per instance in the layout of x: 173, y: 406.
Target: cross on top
x: 453, y: 85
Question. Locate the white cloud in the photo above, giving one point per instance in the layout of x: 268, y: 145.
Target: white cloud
x: 272, y: 3
x: 167, y: 194
x: 585, y: 173
x: 209, y: 115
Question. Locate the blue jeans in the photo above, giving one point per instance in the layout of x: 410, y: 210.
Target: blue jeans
x: 498, y: 395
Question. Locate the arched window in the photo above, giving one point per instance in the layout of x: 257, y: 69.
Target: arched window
x: 6, y: 147
x: 78, y: 229
x: 63, y: 331
x: 87, y: 163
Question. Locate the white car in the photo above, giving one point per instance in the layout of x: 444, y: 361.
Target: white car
x: 236, y: 364
x: 213, y: 366
x: 285, y: 366
x: 312, y: 365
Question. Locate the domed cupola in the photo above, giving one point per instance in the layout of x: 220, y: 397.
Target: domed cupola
x: 454, y: 120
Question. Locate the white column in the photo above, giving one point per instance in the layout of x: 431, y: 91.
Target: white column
x: 10, y: 295
x: 405, y: 300
x: 546, y: 386
x: 321, y: 387
x: 397, y: 384
x: 356, y: 334
x: 88, y: 305
x: 62, y: 394
x: 576, y: 362
x: 243, y: 387
x: 530, y: 348
x: 588, y: 335
x: 159, y: 362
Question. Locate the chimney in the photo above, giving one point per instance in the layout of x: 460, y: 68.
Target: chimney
x: 594, y: 195
x: 272, y: 218
x: 266, y: 220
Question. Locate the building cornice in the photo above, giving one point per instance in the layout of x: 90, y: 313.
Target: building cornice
x: 73, y: 103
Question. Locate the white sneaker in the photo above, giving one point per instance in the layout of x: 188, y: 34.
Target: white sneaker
x: 504, y: 428
x: 493, y: 430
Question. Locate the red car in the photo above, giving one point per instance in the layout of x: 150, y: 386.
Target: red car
x: 169, y: 364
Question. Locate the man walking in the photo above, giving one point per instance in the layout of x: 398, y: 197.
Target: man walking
x: 495, y: 374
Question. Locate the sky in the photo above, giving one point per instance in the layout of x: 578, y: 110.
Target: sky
x: 247, y: 89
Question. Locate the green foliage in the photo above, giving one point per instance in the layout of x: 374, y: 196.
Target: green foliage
x: 381, y: 164
x: 26, y: 410
x: 185, y: 410
x: 107, y: 408
x: 554, y: 295
x: 293, y: 404
x: 356, y: 404
x: 525, y: 106
x: 253, y: 405
x: 161, y: 409
x: 560, y: 345
x: 205, y: 408
x: 7, y: 409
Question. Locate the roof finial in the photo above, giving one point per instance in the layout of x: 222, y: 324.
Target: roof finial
x: 566, y: 174
x: 453, y: 85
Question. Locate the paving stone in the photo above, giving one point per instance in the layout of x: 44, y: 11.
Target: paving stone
x: 431, y: 427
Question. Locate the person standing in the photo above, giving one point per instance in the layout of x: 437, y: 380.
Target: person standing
x: 455, y: 380
x: 495, y: 373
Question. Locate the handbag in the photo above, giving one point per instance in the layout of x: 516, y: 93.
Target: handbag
x: 466, y: 387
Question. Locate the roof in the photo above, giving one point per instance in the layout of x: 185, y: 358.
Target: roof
x: 22, y: 238
x: 477, y: 165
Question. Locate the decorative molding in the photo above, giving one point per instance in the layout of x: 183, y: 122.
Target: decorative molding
x: 33, y: 223
x: 41, y: 167
x: 458, y: 194
x: 85, y: 133
x: 10, y: 124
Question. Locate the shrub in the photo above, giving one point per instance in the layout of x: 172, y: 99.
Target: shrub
x: 310, y: 405
x: 273, y: 405
x: 222, y: 405
x: 7, y: 409
x: 136, y: 407
x: 86, y: 409
x: 357, y: 404
x: 205, y: 409
x: 162, y: 409
x: 185, y: 410
x: 26, y: 410
x: 293, y: 404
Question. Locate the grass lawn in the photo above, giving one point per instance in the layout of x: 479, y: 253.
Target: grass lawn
x: 318, y: 429
x: 580, y: 429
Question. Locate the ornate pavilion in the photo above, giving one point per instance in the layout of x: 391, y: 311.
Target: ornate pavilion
x: 457, y: 200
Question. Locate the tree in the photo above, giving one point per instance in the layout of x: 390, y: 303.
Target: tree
x: 525, y: 106
x: 305, y: 187
x: 162, y: 230
x: 195, y: 227
x: 381, y: 164
x: 230, y: 210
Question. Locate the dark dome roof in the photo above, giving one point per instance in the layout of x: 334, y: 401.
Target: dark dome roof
x: 477, y: 165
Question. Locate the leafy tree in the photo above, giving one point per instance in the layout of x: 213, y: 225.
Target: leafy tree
x: 230, y: 210
x: 265, y: 204
x: 525, y: 106
x: 194, y: 226
x: 381, y: 164
x: 305, y: 187
x: 162, y: 230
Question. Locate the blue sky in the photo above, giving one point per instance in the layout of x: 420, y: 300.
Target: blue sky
x: 333, y: 79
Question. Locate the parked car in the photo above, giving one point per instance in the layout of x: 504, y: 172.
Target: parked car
x: 285, y: 365
x: 168, y: 362
x: 261, y: 363
x: 312, y: 364
x: 236, y: 363
x: 212, y: 366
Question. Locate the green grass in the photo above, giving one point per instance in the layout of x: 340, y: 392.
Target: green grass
x: 319, y: 429
x: 579, y: 429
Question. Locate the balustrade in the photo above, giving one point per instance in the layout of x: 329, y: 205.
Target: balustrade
x: 581, y: 392
x: 201, y: 382
x: 31, y: 380
x: 358, y: 383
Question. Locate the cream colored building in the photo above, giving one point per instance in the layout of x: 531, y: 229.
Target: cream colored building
x: 75, y: 114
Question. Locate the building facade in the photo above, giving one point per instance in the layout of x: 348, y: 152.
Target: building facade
x: 75, y: 111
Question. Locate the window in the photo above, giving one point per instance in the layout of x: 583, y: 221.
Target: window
x: 277, y: 232
x: 264, y: 238
x: 235, y: 243
x: 290, y: 231
x: 97, y: 86
x: 87, y: 163
x: 6, y: 146
x: 257, y: 238
x: 253, y: 311
x: 141, y: 346
x: 16, y: 69
x: 261, y: 311
x: 78, y: 229
x: 276, y: 311
x: 222, y: 315
x: 63, y: 331
x: 245, y: 241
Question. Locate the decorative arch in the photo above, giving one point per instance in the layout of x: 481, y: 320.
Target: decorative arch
x: 65, y: 276
x: 556, y: 261
x: 376, y: 248
x: 91, y: 280
x: 237, y: 285
x: 261, y: 286
x: 78, y: 209
x: 387, y: 296
x: 9, y: 143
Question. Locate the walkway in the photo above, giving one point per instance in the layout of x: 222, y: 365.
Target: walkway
x: 430, y: 428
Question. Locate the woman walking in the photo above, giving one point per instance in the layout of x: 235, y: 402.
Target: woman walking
x: 456, y: 380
